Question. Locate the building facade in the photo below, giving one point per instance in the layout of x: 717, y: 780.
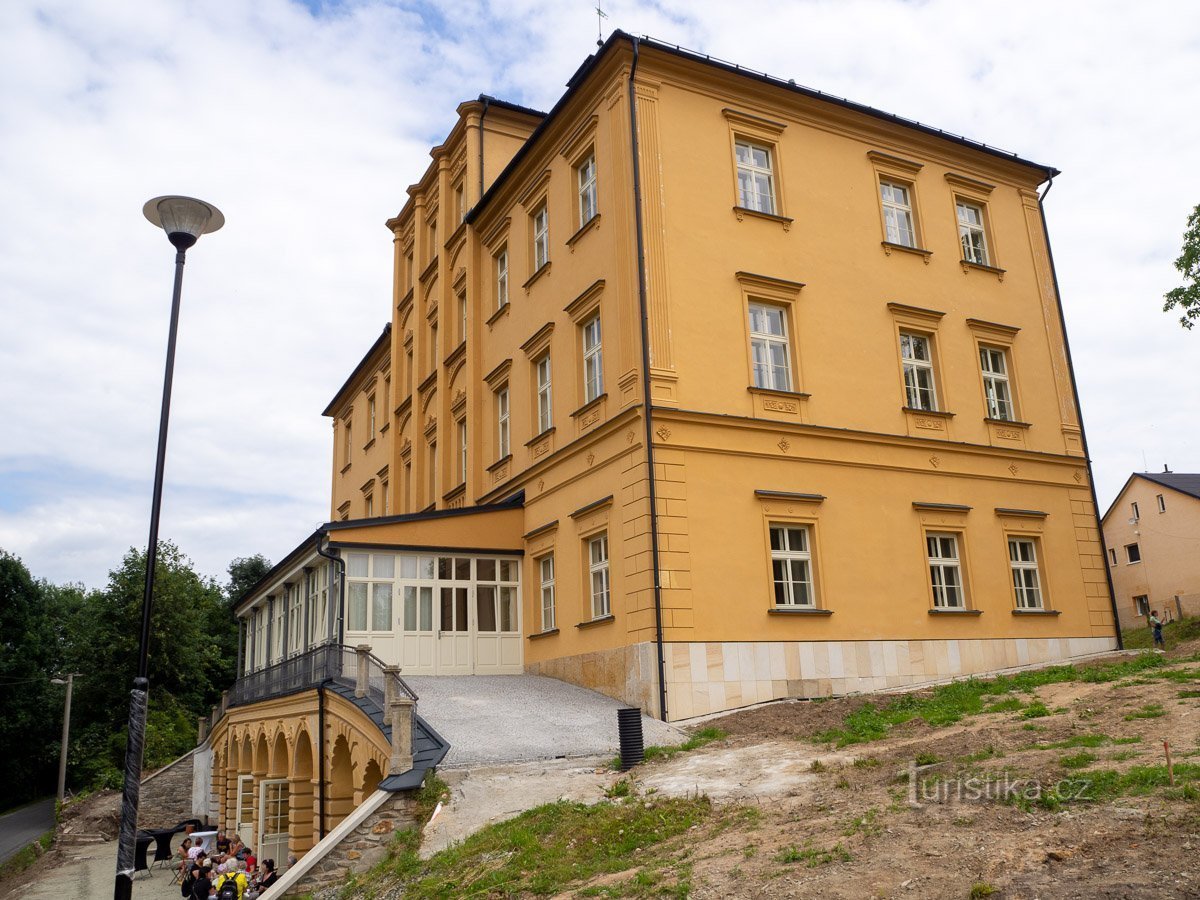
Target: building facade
x: 701, y: 390
x: 1152, y: 535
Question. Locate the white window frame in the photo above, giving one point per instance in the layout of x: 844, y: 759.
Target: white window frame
x: 1137, y: 513
x: 371, y: 416
x: 598, y: 575
x: 946, y: 571
x: 545, y: 397
x: 1026, y: 576
x: 1112, y: 556
x: 755, y: 174
x: 502, y: 278
x: 503, y: 435
x: 763, y: 345
x: 593, y: 359
x: 784, y: 557
x: 972, y: 232
x: 925, y: 396
x: 997, y: 392
x: 378, y: 580
x: 546, y: 576
x: 541, y: 237
x: 587, y: 189
x: 1141, y: 605
x: 295, y: 637
x: 898, y: 221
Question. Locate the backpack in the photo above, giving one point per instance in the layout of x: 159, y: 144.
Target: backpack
x: 228, y: 889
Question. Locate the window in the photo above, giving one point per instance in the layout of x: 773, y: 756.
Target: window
x: 769, y: 347
x: 502, y: 278
x: 369, y: 601
x: 598, y: 572
x: 295, y: 619
x: 945, y: 571
x: 587, y: 189
x: 1162, y: 504
x: 995, y: 384
x: 433, y: 479
x: 502, y: 427
x: 1133, y: 553
x: 593, y: 361
x: 369, y: 506
x: 791, y: 566
x: 462, y: 451
x: 348, y: 436
x: 383, y: 493
x: 460, y: 205
x: 546, y: 569
x: 1136, y: 512
x: 371, y: 417
x: 408, y: 267
x: 462, y: 317
x: 916, y: 355
x: 541, y: 237
x: 971, y: 233
x: 1112, y: 556
x: 279, y: 605
x: 1022, y: 559
x: 545, y: 416
x: 408, y: 487
x: 756, y: 188
x: 897, y: 214
x: 1141, y: 605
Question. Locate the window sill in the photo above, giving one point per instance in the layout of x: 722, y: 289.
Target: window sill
x: 967, y: 266
x: 384, y: 427
x: 368, y: 445
x: 345, y: 468
x: 955, y: 612
x: 798, y: 611
x: 1037, y: 612
x: 888, y: 247
x: 593, y: 222
x: 537, y: 437
x: 940, y: 413
x: 589, y: 406
x: 741, y: 212
x: 773, y: 392
x: 542, y: 634
x: 1007, y: 423
x: 544, y: 270
x: 602, y: 620
x: 501, y: 461
x: 498, y: 314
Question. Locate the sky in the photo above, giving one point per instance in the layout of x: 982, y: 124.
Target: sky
x: 305, y: 122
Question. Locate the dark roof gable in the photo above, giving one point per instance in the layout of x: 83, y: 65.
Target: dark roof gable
x: 1184, y: 482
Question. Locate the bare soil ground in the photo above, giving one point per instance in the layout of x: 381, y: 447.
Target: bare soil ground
x: 850, y: 828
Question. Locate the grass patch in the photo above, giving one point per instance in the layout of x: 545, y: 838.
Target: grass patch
x: 1008, y: 704
x: 949, y: 703
x: 981, y: 889
x: 1176, y: 632
x: 26, y: 856
x: 814, y: 856
x: 925, y: 758
x: 1135, y: 739
x: 866, y: 762
x: 695, y: 742
x: 1078, y: 740
x: 988, y: 752
x: 1185, y: 695
x: 549, y: 847
x: 621, y: 789
x: 1149, y: 711
x: 864, y: 824
x: 1123, y: 755
x: 1080, y: 760
x: 1103, y: 785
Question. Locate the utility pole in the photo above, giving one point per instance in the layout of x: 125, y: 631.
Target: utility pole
x: 66, y: 735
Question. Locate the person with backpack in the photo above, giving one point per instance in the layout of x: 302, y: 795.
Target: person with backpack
x: 232, y: 884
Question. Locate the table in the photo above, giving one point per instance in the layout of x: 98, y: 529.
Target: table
x: 205, y: 838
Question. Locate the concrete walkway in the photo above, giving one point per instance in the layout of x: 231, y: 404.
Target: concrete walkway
x: 494, y: 719
x: 21, y: 827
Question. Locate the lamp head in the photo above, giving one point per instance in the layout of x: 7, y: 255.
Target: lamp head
x: 184, y: 219
x: 57, y: 681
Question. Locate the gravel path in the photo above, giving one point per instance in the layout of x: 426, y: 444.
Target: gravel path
x: 490, y: 719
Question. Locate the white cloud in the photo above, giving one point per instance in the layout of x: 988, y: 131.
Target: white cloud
x: 305, y: 129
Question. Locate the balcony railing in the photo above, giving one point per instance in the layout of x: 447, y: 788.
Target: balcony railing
x: 328, y: 662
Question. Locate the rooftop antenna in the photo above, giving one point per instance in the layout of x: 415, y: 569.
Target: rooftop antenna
x: 1145, y: 465
x: 601, y: 15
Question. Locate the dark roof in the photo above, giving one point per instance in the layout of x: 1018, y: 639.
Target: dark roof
x: 1184, y: 482
x: 787, y: 84
x: 379, y: 342
x: 508, y: 104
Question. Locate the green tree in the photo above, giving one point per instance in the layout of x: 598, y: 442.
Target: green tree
x: 244, y: 573
x: 31, y: 707
x: 1187, y: 295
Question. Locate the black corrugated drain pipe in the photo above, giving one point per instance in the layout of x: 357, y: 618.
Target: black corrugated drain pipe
x: 647, y: 400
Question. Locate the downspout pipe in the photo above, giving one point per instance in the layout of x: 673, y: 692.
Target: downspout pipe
x: 341, y: 564
x: 1112, y: 595
x: 647, y: 400
x: 321, y: 759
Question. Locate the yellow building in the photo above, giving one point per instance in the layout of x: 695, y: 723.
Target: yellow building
x: 1152, y: 532
x: 705, y: 389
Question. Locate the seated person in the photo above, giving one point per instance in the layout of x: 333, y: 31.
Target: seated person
x: 236, y: 875
x: 222, y: 842
x: 251, y: 860
x: 195, y: 851
x: 263, y: 879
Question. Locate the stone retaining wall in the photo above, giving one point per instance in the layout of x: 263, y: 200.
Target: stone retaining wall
x: 363, y: 847
x: 166, y: 798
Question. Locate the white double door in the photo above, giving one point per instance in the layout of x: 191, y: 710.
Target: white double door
x: 458, y: 629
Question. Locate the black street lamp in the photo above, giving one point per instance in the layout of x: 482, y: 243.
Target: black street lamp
x: 184, y: 219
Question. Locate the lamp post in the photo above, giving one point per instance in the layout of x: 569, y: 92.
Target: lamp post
x: 66, y: 735
x: 184, y: 219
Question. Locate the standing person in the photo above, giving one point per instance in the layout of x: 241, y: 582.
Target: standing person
x: 1156, y: 624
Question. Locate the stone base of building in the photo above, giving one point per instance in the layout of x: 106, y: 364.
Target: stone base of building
x: 715, y: 676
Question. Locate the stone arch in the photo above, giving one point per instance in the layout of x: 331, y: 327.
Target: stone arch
x: 262, y: 756
x: 246, y: 757
x: 302, y: 806
x: 340, y: 799
x: 279, y: 756
x: 372, y: 775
